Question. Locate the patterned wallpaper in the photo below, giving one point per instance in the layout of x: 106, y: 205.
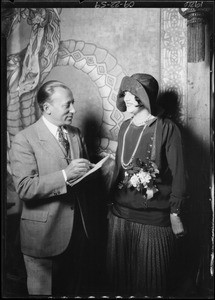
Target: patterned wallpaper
x: 174, y: 55
x: 45, y: 51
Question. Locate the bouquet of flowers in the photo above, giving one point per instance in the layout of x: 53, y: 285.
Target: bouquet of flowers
x: 141, y: 176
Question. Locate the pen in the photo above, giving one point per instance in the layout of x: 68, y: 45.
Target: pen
x: 70, y: 159
x: 67, y: 158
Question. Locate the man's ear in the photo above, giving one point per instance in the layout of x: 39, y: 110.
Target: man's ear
x: 46, y: 108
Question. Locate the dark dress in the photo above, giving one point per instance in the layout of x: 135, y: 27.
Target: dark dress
x: 141, y: 244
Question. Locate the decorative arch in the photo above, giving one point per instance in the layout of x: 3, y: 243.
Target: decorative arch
x: 106, y: 73
x: 29, y: 68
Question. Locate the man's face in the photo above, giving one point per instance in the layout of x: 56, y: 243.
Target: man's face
x: 60, y: 108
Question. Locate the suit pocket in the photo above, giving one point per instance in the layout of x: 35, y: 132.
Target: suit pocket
x: 38, y: 216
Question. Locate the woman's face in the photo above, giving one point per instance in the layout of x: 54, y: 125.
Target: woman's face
x: 132, y: 105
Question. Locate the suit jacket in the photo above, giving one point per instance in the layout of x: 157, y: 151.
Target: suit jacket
x: 37, y: 160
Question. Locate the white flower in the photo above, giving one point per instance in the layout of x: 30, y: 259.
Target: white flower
x: 156, y: 171
x: 144, y: 177
x: 134, y: 180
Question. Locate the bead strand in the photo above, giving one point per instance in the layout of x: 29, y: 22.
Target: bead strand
x: 125, y: 165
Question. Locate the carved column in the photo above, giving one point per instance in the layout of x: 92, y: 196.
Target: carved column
x: 196, y: 20
x: 198, y: 159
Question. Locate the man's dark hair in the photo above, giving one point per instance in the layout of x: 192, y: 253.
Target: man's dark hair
x: 46, y: 91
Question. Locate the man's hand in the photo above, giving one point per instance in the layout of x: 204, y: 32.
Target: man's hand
x: 77, y: 168
x: 177, y: 226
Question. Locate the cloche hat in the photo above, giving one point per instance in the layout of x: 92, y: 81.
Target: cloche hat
x: 144, y: 86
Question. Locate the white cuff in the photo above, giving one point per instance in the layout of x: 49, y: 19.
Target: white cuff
x: 64, y: 175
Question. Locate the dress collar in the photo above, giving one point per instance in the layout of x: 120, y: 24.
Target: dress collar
x: 148, y: 123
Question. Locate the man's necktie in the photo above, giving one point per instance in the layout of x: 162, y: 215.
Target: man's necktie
x: 63, y: 141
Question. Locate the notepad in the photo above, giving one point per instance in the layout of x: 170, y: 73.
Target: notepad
x: 91, y: 171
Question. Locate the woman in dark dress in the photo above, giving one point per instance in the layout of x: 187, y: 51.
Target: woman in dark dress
x: 147, y: 195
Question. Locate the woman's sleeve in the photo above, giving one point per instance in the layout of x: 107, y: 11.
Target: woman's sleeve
x: 175, y: 159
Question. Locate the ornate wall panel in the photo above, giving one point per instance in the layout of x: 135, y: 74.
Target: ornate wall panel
x: 174, y: 55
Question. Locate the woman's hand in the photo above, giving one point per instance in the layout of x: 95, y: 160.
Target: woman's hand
x: 177, y: 225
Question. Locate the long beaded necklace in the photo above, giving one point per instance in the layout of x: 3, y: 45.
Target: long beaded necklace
x: 125, y: 165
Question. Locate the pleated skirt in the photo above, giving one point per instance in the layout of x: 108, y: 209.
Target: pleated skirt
x: 140, y: 258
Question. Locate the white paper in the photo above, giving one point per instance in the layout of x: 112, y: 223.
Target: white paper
x: 94, y: 169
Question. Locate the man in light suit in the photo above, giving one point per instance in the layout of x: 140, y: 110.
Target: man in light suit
x: 44, y: 158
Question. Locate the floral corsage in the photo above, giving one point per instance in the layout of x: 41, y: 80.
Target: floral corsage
x: 141, y: 176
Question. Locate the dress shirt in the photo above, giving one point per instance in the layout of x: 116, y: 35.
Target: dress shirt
x: 54, y: 130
